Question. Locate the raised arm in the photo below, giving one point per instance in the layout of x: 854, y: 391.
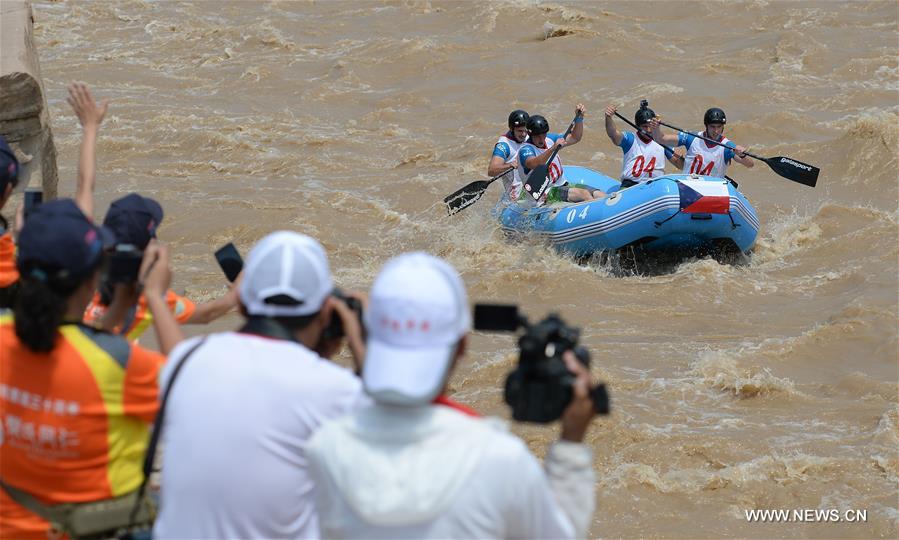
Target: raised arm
x: 662, y: 138
x: 91, y: 116
x: 207, y: 312
x: 157, y: 275
x: 578, y: 131
x: 611, y: 130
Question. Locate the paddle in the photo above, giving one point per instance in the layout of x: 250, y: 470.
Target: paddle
x: 468, y: 195
x: 665, y: 146
x: 537, y: 181
x: 790, y: 169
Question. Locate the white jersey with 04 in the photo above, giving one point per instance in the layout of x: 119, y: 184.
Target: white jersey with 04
x: 643, y: 161
x: 701, y: 159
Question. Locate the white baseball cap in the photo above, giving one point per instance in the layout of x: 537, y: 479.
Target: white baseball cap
x: 417, y: 312
x: 286, y: 275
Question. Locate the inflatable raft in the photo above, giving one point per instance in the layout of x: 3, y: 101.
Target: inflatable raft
x: 676, y: 212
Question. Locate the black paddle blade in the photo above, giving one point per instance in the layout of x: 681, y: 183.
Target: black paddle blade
x: 796, y: 171
x: 466, y: 196
x: 537, y: 181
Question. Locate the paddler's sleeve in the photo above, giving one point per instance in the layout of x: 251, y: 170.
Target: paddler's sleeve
x: 502, y: 150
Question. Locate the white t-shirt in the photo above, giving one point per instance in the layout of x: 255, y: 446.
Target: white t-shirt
x: 433, y: 472
x: 236, y: 426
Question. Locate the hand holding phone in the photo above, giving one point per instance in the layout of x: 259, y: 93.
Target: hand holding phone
x: 229, y: 260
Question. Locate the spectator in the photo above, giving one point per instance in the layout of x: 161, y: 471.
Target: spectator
x: 75, y: 402
x: 406, y: 468
x: 91, y: 116
x: 9, y: 179
x: 245, y: 403
x: 134, y: 220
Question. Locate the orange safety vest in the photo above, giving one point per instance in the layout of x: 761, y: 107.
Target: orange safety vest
x: 140, y: 318
x: 8, y: 272
x: 74, y: 422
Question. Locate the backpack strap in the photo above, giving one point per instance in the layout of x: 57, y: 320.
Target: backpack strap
x: 150, y: 456
x: 55, y: 514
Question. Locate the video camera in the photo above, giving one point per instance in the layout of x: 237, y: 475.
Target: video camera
x: 540, y: 387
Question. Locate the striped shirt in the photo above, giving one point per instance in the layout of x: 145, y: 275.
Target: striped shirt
x: 74, y: 422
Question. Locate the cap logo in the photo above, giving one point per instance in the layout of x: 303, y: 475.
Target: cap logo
x: 90, y: 236
x: 410, y: 325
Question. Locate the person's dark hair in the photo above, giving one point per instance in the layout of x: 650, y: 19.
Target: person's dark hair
x: 277, y: 327
x: 40, y: 306
x: 292, y: 324
x: 295, y: 324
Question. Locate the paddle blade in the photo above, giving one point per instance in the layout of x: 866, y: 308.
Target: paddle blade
x: 796, y: 171
x: 537, y: 182
x: 466, y: 196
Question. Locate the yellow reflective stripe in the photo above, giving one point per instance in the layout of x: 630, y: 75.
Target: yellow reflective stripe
x: 140, y: 326
x: 5, y: 316
x: 127, y: 436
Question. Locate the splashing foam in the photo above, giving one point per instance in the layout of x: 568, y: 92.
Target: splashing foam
x: 783, y: 470
x: 784, y: 238
x: 719, y: 370
x: 888, y: 426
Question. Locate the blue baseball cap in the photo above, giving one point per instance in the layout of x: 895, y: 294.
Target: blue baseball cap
x: 9, y: 166
x: 133, y: 219
x: 59, y: 242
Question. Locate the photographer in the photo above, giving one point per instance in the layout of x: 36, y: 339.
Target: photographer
x: 117, y: 307
x: 75, y: 402
x: 245, y: 403
x: 406, y: 468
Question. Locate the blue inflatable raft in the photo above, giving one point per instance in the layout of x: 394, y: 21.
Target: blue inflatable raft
x: 676, y: 212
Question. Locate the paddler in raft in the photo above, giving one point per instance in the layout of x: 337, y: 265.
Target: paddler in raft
x: 644, y: 159
x: 705, y: 158
x: 505, y: 151
x: 536, y: 152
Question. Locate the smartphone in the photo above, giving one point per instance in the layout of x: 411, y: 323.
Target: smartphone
x: 33, y: 199
x: 229, y: 260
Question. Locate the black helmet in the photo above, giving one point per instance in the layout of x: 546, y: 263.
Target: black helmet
x: 537, y: 125
x: 518, y: 118
x: 714, y: 116
x: 643, y: 115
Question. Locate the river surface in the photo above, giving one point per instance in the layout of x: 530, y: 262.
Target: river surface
x: 771, y: 385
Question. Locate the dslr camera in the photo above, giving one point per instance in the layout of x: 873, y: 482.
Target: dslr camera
x: 540, y: 387
x: 124, y: 263
x: 335, y: 328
